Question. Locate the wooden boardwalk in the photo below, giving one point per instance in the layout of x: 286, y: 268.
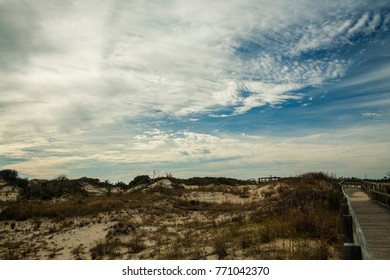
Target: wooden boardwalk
x: 374, y: 220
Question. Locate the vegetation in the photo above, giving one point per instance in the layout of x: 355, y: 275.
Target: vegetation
x: 24, y: 210
x: 9, y: 175
x: 140, y: 180
x: 205, y: 181
x: 293, y: 218
x: 52, y: 189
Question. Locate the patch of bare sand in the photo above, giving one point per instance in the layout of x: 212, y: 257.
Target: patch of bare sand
x: 161, y: 228
x: 8, y: 193
x: 165, y: 183
x: 227, y: 194
x: 93, y: 190
x: 82, y: 237
x: 48, y: 239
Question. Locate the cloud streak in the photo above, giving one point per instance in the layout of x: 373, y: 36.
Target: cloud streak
x: 243, y: 155
x: 98, y: 77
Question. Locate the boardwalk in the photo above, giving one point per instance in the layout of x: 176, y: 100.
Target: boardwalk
x: 374, y: 220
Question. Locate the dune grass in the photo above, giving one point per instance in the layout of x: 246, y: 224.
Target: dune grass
x: 298, y: 218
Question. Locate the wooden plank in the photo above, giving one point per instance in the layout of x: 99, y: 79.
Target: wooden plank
x: 374, y: 220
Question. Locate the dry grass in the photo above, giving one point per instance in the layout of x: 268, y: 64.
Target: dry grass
x: 105, y: 249
x: 297, y: 219
x: 74, y: 206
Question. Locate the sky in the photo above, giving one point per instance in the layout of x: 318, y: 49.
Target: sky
x: 113, y: 89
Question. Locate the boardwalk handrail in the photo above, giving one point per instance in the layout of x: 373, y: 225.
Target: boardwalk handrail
x: 366, y: 254
x: 380, y: 189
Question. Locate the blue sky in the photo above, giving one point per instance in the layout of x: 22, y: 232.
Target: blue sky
x: 114, y: 89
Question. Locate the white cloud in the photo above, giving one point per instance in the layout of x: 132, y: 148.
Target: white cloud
x: 46, y: 167
x: 374, y: 78
x: 200, y: 154
x: 360, y: 24
x: 371, y: 115
x: 266, y: 93
x: 96, y: 75
x: 336, y: 33
x: 119, y: 60
x: 376, y: 21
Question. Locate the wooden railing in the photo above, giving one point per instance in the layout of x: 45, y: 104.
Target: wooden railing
x: 355, y: 246
x: 268, y: 179
x: 377, y: 191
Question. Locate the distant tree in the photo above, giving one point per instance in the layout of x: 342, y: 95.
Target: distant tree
x: 9, y: 175
x: 122, y: 186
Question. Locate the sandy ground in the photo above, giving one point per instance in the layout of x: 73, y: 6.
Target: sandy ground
x: 8, y: 193
x: 190, y: 223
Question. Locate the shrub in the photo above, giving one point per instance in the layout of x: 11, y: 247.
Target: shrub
x: 122, y: 228
x: 140, y: 180
x: 135, y: 245
x: 23, y: 210
x: 309, y: 250
x: 52, y: 189
x: 220, y: 246
x: 78, y: 252
x: 104, y: 249
x: 247, y: 241
x: 9, y: 175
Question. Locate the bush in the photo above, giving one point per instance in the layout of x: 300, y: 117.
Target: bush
x: 135, y: 245
x: 52, y: 189
x: 204, y: 181
x: 122, y: 228
x: 320, y: 176
x: 27, y: 209
x: 9, y: 175
x: 92, y: 181
x: 140, y: 180
x: 220, y: 246
x: 104, y: 249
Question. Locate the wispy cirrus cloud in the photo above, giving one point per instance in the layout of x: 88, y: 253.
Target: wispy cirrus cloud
x: 174, y: 58
x: 98, y: 76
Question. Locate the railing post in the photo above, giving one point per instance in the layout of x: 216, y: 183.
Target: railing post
x: 352, y: 251
x: 348, y: 228
x: 345, y: 209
